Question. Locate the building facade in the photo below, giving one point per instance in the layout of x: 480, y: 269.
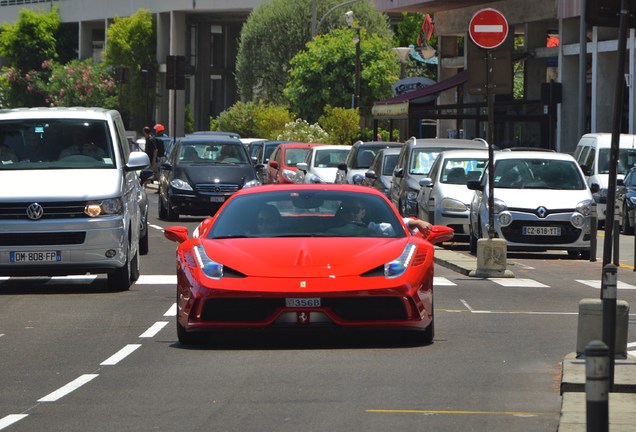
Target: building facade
x: 583, y: 64
x: 205, y: 31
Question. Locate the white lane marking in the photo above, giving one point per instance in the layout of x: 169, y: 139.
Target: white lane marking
x: 466, y: 305
x: 157, y: 280
x: 518, y: 282
x: 68, y: 388
x: 120, y: 355
x: 10, y: 419
x: 597, y: 284
x: 442, y: 281
x: 631, y: 345
x: 157, y: 227
x: 154, y: 329
x: 172, y: 311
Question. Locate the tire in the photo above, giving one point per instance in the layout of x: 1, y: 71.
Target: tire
x: 170, y: 214
x: 134, y: 268
x: 119, y: 280
x: 143, y: 243
x: 586, y: 254
x: 425, y: 337
x: 472, y: 244
x: 163, y: 214
x: 185, y: 337
x: 626, y: 227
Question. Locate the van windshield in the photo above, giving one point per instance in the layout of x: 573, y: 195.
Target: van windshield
x: 626, y: 160
x: 55, y: 144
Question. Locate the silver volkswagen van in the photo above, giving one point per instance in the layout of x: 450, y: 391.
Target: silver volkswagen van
x: 69, y: 202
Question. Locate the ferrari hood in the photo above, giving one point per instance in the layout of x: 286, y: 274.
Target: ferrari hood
x: 305, y: 257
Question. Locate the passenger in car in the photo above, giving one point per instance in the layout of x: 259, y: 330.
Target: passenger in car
x: 268, y: 219
x: 82, y: 145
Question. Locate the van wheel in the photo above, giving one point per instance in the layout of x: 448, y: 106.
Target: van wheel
x: 134, y: 268
x: 472, y: 244
x: 586, y: 254
x: 119, y: 280
x: 143, y: 243
x: 627, y: 228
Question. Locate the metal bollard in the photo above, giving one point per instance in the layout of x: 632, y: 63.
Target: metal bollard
x: 596, y: 387
x: 617, y: 235
x: 608, y: 291
x: 593, y: 233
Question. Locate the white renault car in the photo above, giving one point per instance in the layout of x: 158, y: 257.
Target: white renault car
x: 541, y: 202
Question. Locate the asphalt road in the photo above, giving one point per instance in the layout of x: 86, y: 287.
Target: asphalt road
x: 76, y: 357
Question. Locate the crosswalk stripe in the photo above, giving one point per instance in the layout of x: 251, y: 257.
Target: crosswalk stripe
x: 442, y: 281
x: 597, y: 284
x: 518, y: 283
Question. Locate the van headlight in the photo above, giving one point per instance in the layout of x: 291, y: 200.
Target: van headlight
x: 106, y: 207
x: 252, y: 183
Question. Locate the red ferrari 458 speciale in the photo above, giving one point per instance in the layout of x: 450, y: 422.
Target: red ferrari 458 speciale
x: 305, y: 256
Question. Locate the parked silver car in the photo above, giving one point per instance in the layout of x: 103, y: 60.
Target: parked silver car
x: 414, y: 163
x: 443, y: 198
x: 379, y: 174
x: 541, y: 202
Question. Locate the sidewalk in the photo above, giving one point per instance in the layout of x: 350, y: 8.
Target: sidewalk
x: 622, y: 400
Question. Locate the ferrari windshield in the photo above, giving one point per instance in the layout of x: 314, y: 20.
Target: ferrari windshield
x: 55, y: 143
x: 307, y: 213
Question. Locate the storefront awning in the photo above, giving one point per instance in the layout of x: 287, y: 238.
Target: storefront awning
x: 441, y: 86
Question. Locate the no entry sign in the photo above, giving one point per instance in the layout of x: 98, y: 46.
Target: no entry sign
x: 488, y: 28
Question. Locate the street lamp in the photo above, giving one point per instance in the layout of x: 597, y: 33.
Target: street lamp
x: 355, y: 101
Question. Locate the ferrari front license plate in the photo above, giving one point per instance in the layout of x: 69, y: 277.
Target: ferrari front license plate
x: 541, y: 231
x: 217, y: 199
x: 42, y: 256
x: 302, y: 302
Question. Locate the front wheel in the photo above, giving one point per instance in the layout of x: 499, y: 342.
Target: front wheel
x: 627, y: 228
x: 120, y: 280
x: 185, y: 337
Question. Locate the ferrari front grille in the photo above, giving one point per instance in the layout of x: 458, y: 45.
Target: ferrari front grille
x: 240, y: 309
x: 367, y: 308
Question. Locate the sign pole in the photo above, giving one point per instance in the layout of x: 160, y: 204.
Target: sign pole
x: 491, y: 139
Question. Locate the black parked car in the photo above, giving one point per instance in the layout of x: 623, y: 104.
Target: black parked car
x: 626, y: 201
x: 200, y: 173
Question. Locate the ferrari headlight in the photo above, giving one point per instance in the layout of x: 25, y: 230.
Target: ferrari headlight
x: 450, y: 204
x: 181, y: 185
x: 397, y: 267
x: 584, y: 207
x: 252, y: 183
x: 106, y: 207
x: 210, y: 268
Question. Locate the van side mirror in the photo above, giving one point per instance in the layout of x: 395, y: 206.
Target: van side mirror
x: 586, y: 170
x: 474, y: 185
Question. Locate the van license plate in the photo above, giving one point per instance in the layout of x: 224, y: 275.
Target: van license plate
x: 217, y: 199
x: 541, y: 231
x: 30, y: 257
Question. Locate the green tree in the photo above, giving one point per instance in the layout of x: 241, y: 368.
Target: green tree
x: 300, y: 130
x: 275, y: 31
x: 323, y: 74
x: 26, y: 45
x: 253, y: 119
x: 31, y: 40
x: 342, y: 124
x: 131, y: 45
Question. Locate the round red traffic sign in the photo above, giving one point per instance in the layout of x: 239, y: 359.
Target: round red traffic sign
x: 488, y: 28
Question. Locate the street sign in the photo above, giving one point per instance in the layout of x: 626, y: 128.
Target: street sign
x: 488, y: 28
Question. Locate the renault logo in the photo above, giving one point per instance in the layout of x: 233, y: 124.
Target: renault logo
x: 34, y: 211
x: 542, y: 212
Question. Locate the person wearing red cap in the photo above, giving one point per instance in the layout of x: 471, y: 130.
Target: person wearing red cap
x: 159, y: 128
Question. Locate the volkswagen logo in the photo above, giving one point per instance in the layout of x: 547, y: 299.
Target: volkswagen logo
x: 34, y: 211
x: 542, y: 212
